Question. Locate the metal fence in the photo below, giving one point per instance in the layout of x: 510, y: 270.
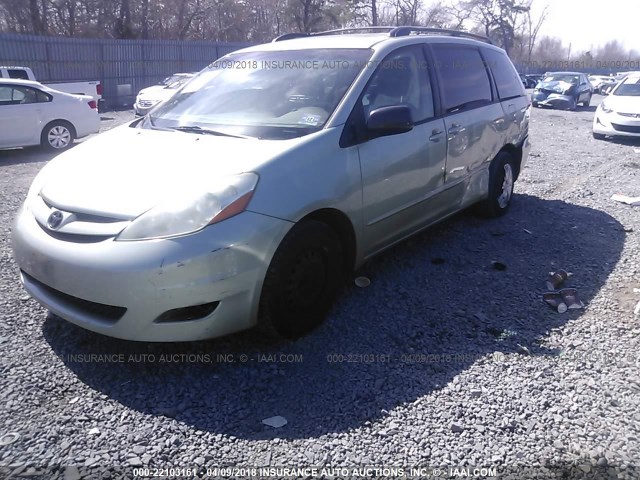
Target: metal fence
x: 122, y: 66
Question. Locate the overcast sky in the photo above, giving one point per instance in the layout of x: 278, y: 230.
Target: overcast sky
x: 587, y: 24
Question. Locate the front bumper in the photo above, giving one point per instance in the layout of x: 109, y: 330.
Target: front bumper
x: 615, y: 124
x: 141, y: 108
x: 224, y: 263
x: 552, y: 99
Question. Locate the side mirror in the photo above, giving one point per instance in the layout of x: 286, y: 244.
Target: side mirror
x: 389, y: 121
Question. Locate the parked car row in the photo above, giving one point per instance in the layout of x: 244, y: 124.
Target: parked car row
x: 600, y: 82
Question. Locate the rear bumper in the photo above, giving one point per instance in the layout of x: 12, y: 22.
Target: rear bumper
x: 87, y: 126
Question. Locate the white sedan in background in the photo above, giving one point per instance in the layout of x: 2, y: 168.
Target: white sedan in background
x: 618, y: 115
x: 33, y: 114
x: 151, y: 96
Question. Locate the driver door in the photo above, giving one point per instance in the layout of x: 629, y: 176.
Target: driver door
x: 401, y: 172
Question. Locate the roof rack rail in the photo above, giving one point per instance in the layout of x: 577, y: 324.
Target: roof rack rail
x: 289, y: 36
x: 405, y: 31
x: 393, y: 32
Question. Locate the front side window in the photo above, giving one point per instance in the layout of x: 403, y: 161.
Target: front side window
x: 464, y: 78
x: 505, y: 75
x: 273, y: 95
x: 402, y: 78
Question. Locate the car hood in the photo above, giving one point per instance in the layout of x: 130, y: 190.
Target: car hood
x: 624, y: 104
x: 126, y: 171
x: 557, y: 87
x: 156, y: 92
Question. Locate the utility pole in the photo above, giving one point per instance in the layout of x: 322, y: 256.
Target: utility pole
x: 569, y: 54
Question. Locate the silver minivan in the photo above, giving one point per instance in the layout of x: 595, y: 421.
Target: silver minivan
x: 252, y: 193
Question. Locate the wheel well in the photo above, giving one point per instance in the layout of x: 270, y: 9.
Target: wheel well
x: 60, y: 120
x: 341, y: 224
x: 516, y: 154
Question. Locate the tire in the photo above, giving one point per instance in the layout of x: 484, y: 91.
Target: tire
x: 598, y: 136
x: 587, y: 103
x: 573, y: 104
x: 302, y: 281
x: 502, y: 174
x: 535, y: 104
x: 57, y: 136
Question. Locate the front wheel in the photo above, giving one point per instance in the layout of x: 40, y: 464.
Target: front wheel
x: 57, y: 135
x: 302, y: 280
x: 587, y: 102
x: 573, y: 103
x: 502, y: 175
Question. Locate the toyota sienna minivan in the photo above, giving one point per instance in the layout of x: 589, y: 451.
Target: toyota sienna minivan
x: 254, y: 191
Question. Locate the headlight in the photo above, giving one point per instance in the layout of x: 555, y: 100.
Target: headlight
x: 605, y: 108
x: 190, y: 213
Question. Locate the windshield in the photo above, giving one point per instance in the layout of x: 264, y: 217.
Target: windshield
x: 174, y: 81
x: 275, y: 95
x: 630, y: 87
x: 560, y: 77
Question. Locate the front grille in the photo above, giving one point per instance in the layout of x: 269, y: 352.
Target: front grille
x: 108, y: 313
x: 626, y: 128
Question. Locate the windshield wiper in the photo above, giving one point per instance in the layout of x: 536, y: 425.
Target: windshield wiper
x: 152, y: 125
x: 205, y: 131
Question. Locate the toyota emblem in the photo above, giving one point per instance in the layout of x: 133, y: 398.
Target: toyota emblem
x: 55, y: 220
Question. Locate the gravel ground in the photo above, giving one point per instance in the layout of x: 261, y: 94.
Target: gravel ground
x: 443, y: 360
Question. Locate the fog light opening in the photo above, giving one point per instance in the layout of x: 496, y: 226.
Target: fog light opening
x: 185, y: 314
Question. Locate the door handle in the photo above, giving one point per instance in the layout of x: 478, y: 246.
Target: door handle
x: 435, y: 135
x: 455, y: 129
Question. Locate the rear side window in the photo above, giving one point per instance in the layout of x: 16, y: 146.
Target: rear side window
x: 506, y: 77
x: 464, y: 78
x: 21, y: 74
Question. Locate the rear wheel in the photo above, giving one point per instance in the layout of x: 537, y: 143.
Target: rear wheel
x: 57, y: 135
x: 302, y: 280
x: 587, y: 102
x: 502, y: 175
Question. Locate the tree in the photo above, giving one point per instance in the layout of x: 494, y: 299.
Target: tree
x: 499, y: 18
